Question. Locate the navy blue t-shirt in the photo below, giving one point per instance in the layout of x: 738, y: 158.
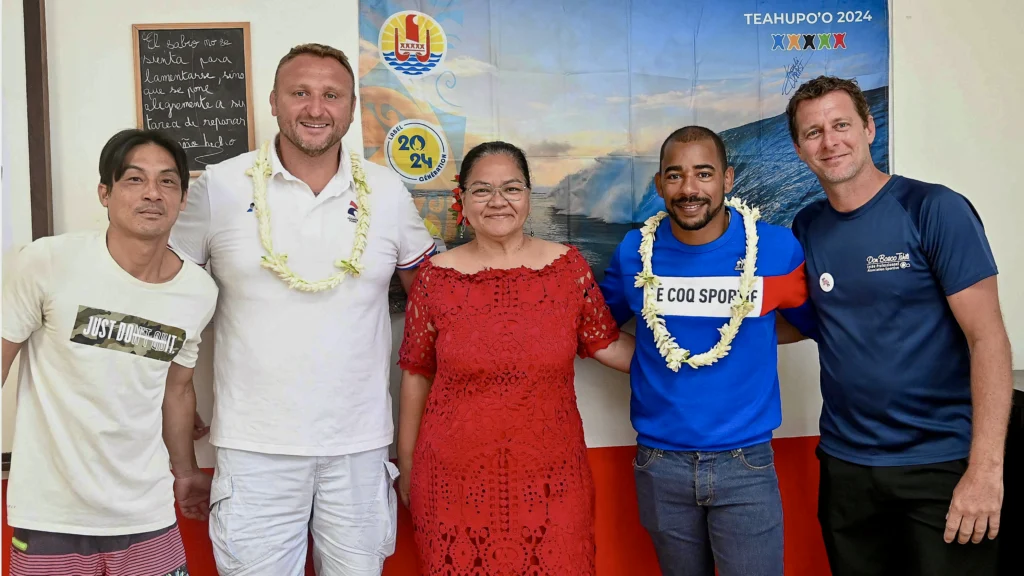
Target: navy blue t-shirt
x: 895, y: 365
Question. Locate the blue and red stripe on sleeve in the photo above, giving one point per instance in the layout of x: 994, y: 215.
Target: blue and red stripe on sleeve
x: 414, y: 262
x: 787, y: 294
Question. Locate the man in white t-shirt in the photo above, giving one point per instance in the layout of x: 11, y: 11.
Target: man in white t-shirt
x: 302, y: 410
x: 108, y: 324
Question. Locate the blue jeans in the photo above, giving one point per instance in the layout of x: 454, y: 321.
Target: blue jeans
x: 704, y: 509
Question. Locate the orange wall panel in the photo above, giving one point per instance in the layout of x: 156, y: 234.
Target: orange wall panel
x: 623, y: 547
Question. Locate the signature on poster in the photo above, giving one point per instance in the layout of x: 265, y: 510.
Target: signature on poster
x: 793, y: 73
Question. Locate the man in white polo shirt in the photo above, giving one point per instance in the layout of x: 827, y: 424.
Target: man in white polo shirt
x: 303, y: 238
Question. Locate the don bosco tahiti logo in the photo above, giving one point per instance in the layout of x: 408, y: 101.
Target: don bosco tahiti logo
x: 412, y: 43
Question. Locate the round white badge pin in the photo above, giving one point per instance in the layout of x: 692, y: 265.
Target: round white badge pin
x: 826, y: 282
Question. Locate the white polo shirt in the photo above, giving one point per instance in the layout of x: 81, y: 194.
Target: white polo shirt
x: 295, y: 372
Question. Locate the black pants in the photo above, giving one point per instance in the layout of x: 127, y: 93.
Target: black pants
x: 878, y: 521
x: 1011, y: 530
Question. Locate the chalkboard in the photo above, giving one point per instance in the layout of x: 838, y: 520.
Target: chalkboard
x: 193, y: 82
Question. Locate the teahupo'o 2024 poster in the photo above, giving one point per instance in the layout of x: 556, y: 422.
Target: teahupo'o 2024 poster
x: 590, y: 89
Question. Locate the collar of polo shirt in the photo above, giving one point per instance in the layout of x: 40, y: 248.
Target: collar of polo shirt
x: 344, y: 174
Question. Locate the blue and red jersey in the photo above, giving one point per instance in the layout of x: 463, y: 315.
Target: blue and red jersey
x: 736, y: 401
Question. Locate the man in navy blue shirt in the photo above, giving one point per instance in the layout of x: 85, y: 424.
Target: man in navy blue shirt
x: 915, y: 361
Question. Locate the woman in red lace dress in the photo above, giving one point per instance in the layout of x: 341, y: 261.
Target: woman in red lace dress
x: 491, y: 451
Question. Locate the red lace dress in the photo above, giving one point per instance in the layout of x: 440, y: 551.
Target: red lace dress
x: 501, y: 484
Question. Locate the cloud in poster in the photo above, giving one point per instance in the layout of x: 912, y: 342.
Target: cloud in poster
x: 466, y: 66
x: 548, y: 148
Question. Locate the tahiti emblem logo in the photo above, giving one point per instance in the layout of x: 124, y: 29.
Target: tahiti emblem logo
x: 412, y: 43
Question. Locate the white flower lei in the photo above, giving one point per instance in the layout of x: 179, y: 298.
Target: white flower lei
x: 278, y: 263
x: 741, y: 304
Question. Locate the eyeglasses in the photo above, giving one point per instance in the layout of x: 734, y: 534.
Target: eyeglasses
x: 511, y: 193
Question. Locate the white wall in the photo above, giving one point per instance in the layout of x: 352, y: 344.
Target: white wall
x: 15, y: 130
x: 951, y: 123
x: 957, y: 120
x: 16, y: 207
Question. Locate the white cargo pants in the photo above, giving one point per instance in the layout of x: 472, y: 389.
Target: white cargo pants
x: 262, y: 507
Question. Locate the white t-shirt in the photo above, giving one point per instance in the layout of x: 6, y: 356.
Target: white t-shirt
x: 89, y: 456
x: 295, y: 372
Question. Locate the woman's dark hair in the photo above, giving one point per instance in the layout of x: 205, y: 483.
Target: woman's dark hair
x: 114, y: 157
x: 487, y: 149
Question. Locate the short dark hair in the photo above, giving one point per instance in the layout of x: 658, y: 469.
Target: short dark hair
x: 821, y: 86
x: 695, y: 134
x: 490, y: 148
x: 114, y: 157
x: 320, y: 51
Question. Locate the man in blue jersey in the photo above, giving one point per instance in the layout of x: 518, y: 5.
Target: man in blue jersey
x: 915, y: 361
x: 706, y: 484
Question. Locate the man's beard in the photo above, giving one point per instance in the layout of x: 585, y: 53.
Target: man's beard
x: 844, y: 173
x: 312, y: 151
x: 709, y: 214
x: 841, y: 175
